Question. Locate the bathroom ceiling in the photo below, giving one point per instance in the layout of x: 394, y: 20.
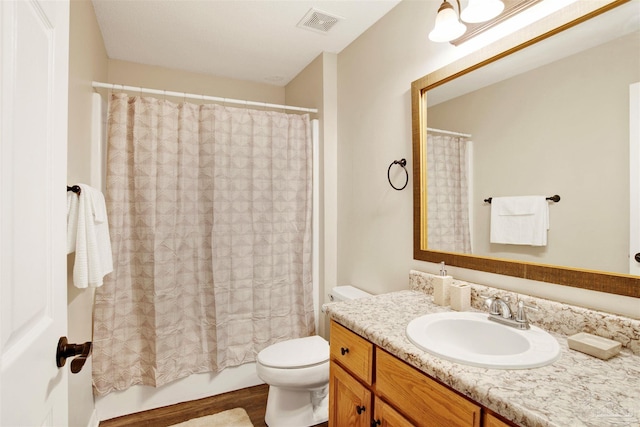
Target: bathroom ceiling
x: 255, y: 40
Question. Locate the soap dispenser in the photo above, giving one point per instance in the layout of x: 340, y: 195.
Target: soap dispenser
x: 441, y: 285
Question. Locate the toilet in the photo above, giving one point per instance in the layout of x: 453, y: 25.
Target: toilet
x: 297, y: 372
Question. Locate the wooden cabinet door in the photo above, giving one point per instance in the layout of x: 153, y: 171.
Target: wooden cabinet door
x: 349, y: 401
x: 426, y: 402
x: 386, y: 416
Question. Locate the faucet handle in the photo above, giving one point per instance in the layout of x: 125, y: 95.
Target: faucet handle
x: 521, y: 313
x: 487, y: 298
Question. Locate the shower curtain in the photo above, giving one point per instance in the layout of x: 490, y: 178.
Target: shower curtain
x: 210, y: 221
x: 448, y: 194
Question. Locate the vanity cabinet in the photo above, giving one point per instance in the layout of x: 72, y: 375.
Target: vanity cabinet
x: 385, y: 416
x: 354, y: 352
x: 420, y: 397
x: 350, y: 400
x: 489, y: 420
x: 370, y: 387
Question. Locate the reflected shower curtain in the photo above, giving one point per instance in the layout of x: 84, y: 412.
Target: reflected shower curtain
x: 210, y: 220
x: 448, y: 194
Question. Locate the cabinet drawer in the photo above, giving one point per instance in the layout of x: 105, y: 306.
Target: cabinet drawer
x: 489, y: 420
x: 423, y: 400
x: 352, y: 351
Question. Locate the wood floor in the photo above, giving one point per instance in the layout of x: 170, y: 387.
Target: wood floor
x: 252, y: 399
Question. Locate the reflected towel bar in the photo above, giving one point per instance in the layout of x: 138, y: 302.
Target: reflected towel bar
x: 555, y: 198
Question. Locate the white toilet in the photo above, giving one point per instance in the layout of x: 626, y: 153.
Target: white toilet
x: 297, y: 372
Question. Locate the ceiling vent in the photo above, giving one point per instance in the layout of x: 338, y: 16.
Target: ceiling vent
x: 318, y: 21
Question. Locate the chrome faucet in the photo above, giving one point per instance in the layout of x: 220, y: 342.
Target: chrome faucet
x: 500, y: 311
x: 499, y: 307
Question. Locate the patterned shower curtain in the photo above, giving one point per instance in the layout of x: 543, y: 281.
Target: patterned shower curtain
x: 210, y: 220
x: 448, y: 194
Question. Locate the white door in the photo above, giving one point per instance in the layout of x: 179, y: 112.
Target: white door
x: 34, y: 56
x: 634, y: 175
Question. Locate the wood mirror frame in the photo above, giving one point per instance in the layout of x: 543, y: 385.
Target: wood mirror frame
x: 568, y: 17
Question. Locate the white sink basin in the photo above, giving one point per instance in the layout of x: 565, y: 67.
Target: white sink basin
x: 472, y: 339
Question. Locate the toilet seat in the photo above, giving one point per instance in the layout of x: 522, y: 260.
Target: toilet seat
x: 295, y: 353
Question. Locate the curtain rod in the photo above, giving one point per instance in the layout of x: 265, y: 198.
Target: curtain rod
x: 448, y: 132
x: 200, y: 97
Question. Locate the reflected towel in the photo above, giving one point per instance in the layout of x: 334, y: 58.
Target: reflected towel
x: 520, y: 220
x: 88, y: 235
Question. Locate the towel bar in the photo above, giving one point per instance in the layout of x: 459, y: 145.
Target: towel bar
x: 76, y: 189
x: 555, y: 198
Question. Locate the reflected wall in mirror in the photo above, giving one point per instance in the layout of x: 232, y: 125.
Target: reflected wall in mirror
x: 549, y: 117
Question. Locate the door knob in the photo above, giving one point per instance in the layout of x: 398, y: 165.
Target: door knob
x: 637, y: 257
x: 66, y: 350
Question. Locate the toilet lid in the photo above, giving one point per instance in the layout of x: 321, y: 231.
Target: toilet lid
x: 295, y: 353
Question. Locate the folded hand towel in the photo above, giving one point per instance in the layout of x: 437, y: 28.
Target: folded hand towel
x: 72, y: 220
x: 520, y: 220
x: 92, y: 243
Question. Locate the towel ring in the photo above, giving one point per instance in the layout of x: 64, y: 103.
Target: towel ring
x: 402, y: 163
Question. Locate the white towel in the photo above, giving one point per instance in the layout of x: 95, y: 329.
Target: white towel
x: 72, y: 220
x: 520, y: 220
x: 88, y: 235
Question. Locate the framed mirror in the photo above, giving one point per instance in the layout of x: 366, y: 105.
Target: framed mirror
x: 545, y: 110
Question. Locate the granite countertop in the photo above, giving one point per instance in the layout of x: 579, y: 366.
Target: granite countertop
x: 576, y: 390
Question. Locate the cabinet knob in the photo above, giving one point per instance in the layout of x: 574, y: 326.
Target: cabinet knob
x: 344, y: 350
x: 375, y: 423
x: 360, y: 409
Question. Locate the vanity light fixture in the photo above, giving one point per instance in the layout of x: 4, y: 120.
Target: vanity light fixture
x: 448, y: 25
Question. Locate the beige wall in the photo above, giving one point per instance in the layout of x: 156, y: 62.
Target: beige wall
x: 374, y: 128
x: 87, y: 62
x: 141, y: 75
x: 375, y: 222
x: 315, y: 87
x: 556, y: 137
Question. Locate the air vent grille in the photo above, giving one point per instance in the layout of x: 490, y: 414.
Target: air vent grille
x: 318, y: 21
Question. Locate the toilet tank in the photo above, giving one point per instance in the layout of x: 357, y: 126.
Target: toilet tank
x: 347, y: 292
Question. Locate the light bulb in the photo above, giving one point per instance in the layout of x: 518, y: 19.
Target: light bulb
x: 481, y: 10
x: 447, y: 27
